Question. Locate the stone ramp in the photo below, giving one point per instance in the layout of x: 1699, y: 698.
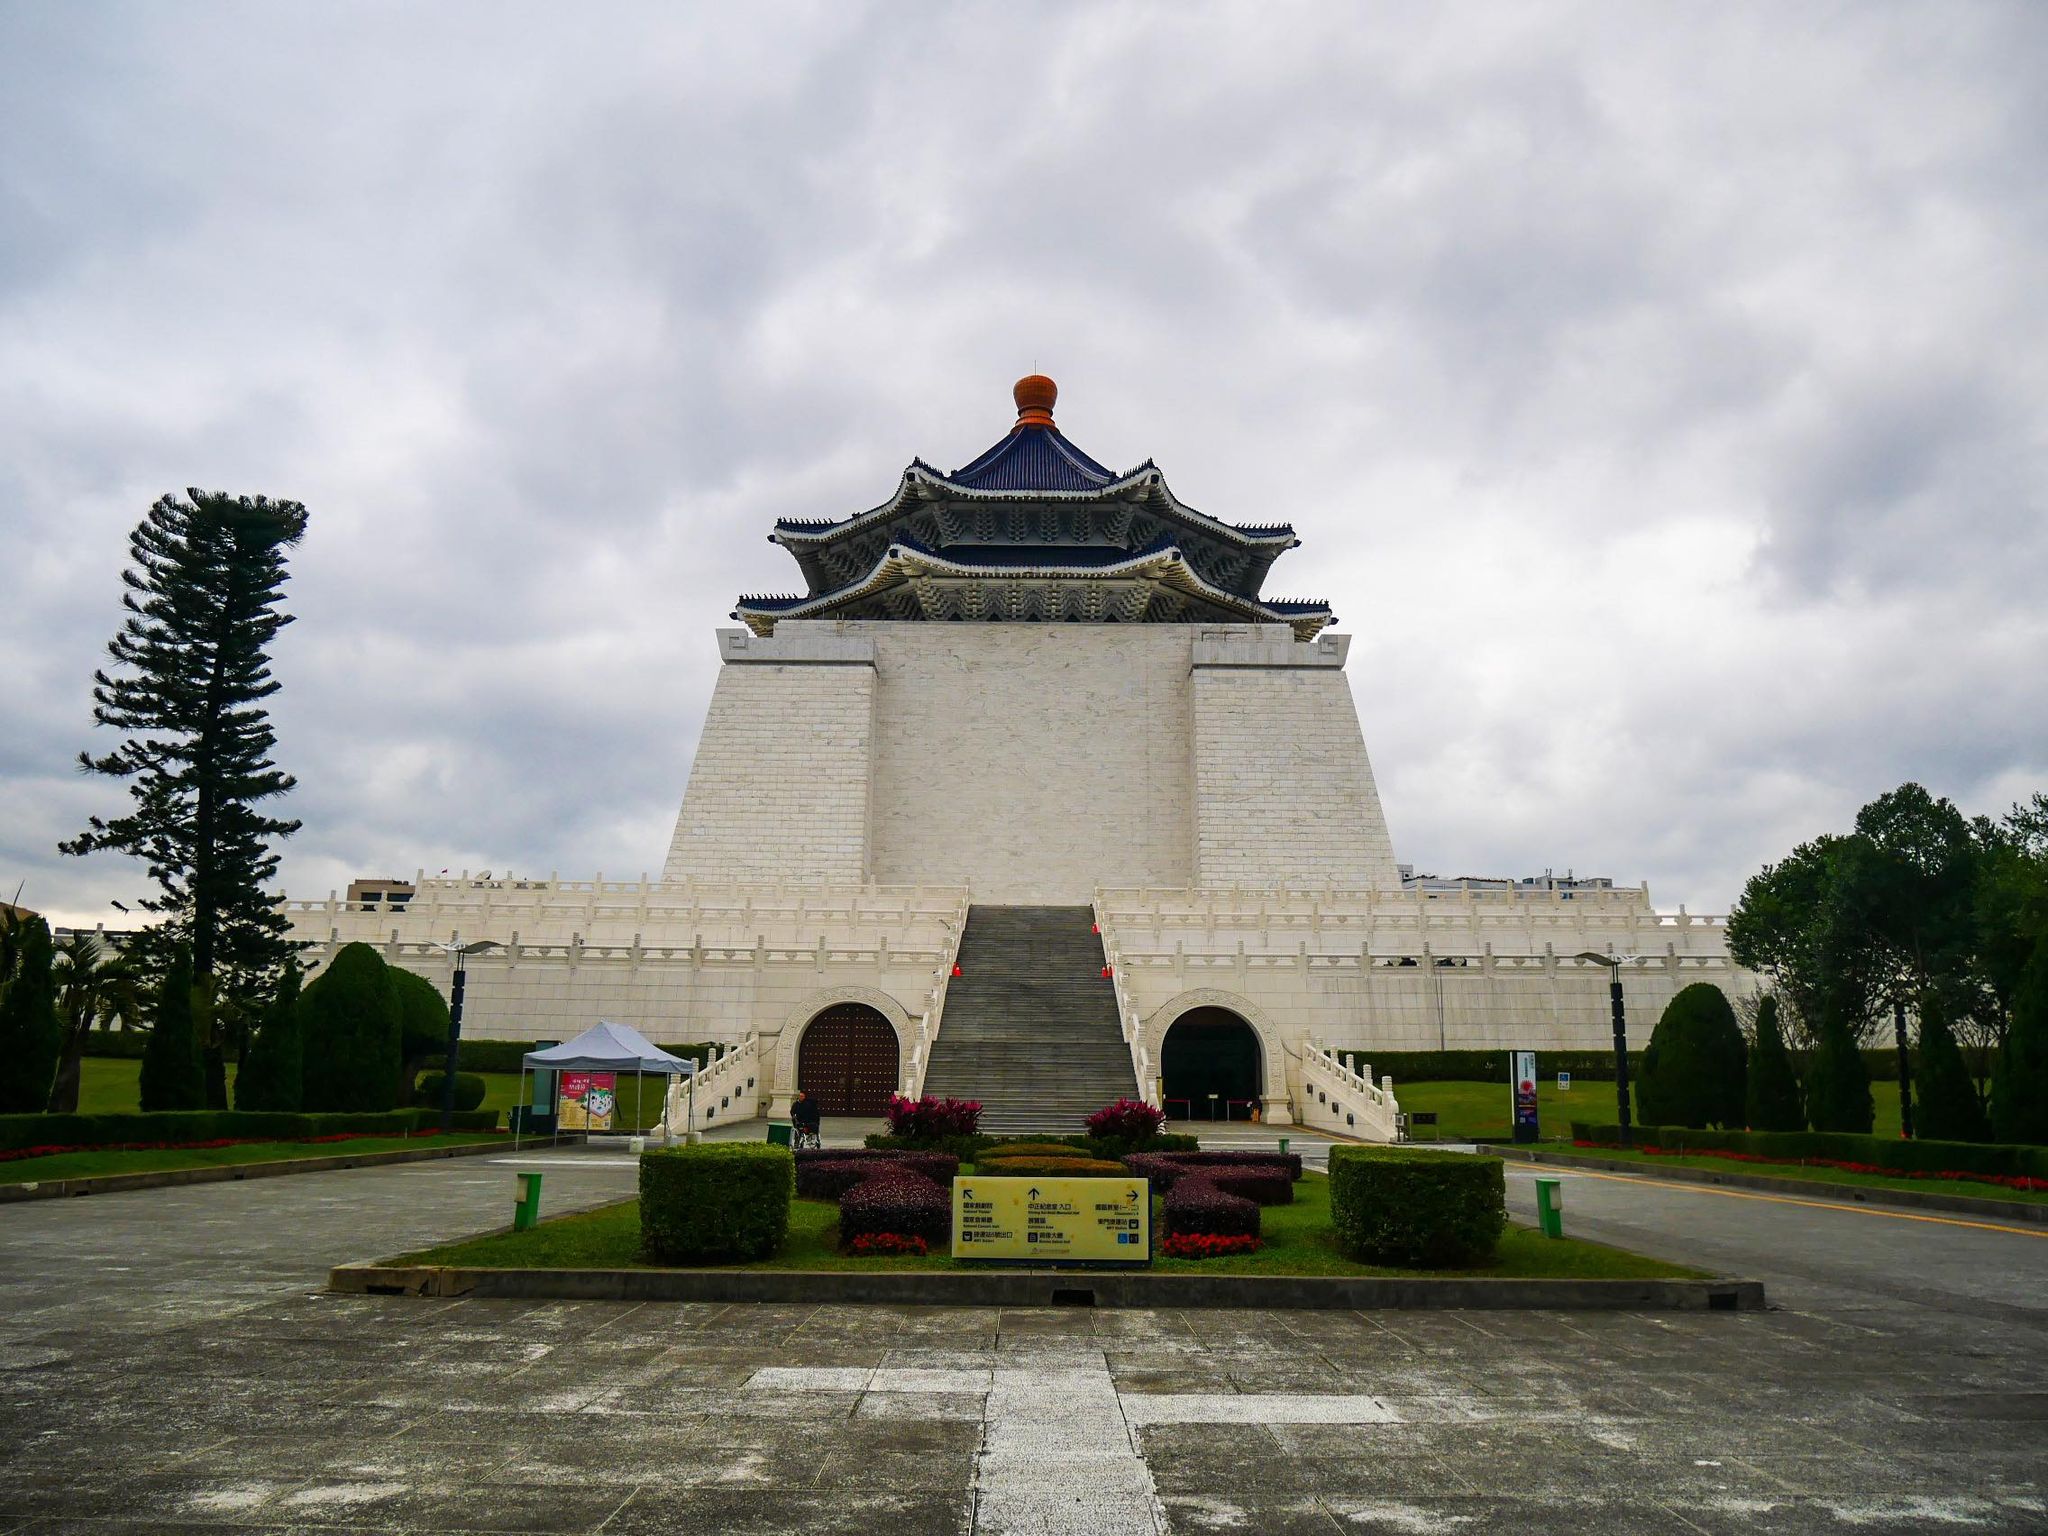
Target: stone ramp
x: 1030, y: 1027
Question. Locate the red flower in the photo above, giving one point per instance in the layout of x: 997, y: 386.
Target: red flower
x: 873, y: 1244
x: 2019, y: 1181
x: 1207, y: 1245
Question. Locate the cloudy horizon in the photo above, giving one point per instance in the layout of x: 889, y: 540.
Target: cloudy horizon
x: 1658, y: 393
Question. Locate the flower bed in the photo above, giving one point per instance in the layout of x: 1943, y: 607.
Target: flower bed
x: 1206, y: 1245
x: 874, y: 1245
x: 829, y: 1177
x: 1052, y: 1168
x: 895, y: 1202
x: 1195, y: 1206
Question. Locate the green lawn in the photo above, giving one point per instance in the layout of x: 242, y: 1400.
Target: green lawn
x: 1297, y: 1241
x: 108, y: 1086
x: 92, y: 1165
x: 1811, y: 1174
x: 1479, y: 1111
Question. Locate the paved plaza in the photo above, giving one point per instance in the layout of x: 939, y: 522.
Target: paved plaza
x: 169, y: 1363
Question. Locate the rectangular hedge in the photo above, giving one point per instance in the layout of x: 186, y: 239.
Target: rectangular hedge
x: 1584, y: 1066
x: 183, y: 1125
x: 715, y: 1202
x: 1883, y: 1152
x: 1417, y: 1209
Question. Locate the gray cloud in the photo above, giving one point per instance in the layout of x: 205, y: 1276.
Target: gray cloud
x: 1658, y: 392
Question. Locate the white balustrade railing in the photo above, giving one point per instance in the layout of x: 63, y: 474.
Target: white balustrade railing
x: 731, y: 1088
x: 1127, y: 1012
x: 1335, y: 1098
x: 920, y: 1057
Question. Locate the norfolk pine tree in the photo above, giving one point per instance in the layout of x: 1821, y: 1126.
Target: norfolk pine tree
x: 190, y: 673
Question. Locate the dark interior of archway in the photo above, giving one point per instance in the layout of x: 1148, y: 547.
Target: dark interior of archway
x: 1209, y: 1058
x: 847, y: 1060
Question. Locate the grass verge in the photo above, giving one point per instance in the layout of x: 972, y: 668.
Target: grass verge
x: 1298, y: 1241
x: 93, y: 1165
x: 1808, y: 1173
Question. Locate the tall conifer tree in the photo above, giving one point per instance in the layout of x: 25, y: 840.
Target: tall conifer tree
x: 191, y: 671
x: 171, y: 1074
x: 1773, y: 1088
x: 30, y: 1036
x: 1949, y: 1107
x: 2019, y: 1083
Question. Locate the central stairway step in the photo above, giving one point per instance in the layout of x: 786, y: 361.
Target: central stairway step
x: 1030, y: 1027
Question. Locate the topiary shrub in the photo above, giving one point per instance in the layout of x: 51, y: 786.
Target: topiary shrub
x: 1771, y: 1092
x: 1163, y: 1172
x: 274, y: 1076
x: 1289, y: 1162
x: 422, y: 1028
x: 349, y: 1032
x: 469, y: 1091
x: 1693, y: 1069
x: 1051, y: 1167
x: 1416, y: 1209
x: 896, y: 1201
x: 1261, y: 1186
x: 1837, y: 1082
x: 1195, y: 1205
x: 714, y: 1202
x: 172, y: 1077
x: 1949, y: 1109
x: 31, y: 1038
x: 829, y: 1178
x: 1030, y: 1149
x: 2019, y: 1078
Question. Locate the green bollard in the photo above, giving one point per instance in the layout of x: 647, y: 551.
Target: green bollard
x: 1550, y: 1207
x: 527, y: 1211
x: 779, y: 1133
x: 1283, y: 1143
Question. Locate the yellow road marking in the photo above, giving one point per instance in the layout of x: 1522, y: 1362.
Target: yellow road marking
x: 1819, y: 1205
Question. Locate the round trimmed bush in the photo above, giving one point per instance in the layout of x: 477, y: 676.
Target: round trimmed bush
x: 1417, y: 1209
x: 715, y: 1201
x: 898, y: 1201
x: 469, y: 1090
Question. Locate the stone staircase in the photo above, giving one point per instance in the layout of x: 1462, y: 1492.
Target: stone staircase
x: 1030, y: 1027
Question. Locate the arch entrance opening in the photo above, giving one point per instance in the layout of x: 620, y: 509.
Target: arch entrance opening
x: 1210, y: 1067
x: 847, y: 1060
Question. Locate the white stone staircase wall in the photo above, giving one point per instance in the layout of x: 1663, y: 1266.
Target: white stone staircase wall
x: 1331, y: 1097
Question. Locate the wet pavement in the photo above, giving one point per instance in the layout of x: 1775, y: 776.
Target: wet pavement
x: 169, y: 1363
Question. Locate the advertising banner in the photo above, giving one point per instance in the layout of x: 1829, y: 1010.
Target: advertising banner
x: 1085, y: 1223
x: 588, y: 1099
x: 1525, y: 1095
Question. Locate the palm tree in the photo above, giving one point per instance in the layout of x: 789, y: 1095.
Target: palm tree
x: 95, y: 984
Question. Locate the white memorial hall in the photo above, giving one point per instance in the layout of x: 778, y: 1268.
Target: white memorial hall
x: 1033, y: 795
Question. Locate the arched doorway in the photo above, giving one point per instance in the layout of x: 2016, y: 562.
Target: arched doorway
x: 1209, y: 1066
x: 847, y: 1060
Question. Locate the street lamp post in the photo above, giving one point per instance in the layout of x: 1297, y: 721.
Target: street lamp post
x: 457, y: 952
x: 1614, y: 964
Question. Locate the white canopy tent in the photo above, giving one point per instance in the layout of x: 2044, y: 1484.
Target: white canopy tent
x: 607, y: 1047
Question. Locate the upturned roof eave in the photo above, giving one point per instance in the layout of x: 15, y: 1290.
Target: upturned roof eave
x: 900, y: 561
x: 919, y: 478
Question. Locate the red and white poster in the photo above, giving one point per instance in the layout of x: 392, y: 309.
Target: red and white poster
x: 588, y: 1099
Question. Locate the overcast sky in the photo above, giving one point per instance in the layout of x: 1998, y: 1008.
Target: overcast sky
x: 1658, y: 390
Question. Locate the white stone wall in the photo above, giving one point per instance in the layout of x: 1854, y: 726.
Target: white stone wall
x: 1028, y: 761
x: 1032, y: 762
x: 779, y: 788
x: 1329, y: 966
x: 1284, y: 790
x: 679, y: 962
